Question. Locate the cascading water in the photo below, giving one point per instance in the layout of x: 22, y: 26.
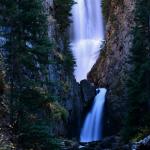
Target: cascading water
x: 92, y: 128
x: 87, y: 35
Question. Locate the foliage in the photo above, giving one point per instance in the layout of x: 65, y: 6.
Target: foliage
x: 24, y: 28
x: 106, y: 8
x: 36, y: 136
x: 69, y: 61
x: 138, y: 117
x: 63, y: 17
x: 57, y: 112
x: 27, y: 48
x: 63, y: 13
x: 65, y: 86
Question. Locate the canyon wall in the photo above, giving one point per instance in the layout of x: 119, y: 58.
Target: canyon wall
x: 64, y: 85
x: 111, y: 69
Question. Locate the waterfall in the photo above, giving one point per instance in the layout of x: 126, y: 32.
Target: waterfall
x: 92, y: 128
x: 86, y: 34
x: 86, y: 38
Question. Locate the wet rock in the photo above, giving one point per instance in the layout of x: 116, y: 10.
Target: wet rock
x: 108, y: 143
x: 68, y: 144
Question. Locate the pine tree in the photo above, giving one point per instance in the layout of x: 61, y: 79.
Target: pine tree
x: 138, y: 118
x: 24, y: 27
x: 63, y: 13
x: 69, y: 61
x: 63, y: 17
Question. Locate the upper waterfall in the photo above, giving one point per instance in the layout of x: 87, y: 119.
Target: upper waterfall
x: 86, y: 35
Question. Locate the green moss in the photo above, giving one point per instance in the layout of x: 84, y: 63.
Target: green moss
x: 143, y: 132
x: 106, y: 8
x: 57, y: 111
x: 65, y: 86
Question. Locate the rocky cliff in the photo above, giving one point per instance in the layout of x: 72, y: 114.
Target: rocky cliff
x: 111, y: 69
x: 63, y: 83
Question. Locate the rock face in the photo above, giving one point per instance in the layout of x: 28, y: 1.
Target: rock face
x: 108, y: 143
x: 63, y: 84
x: 111, y: 69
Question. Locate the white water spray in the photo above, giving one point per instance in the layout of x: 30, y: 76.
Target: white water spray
x: 92, y: 128
x: 87, y: 35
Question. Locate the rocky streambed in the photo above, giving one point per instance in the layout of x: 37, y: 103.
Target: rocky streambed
x: 108, y: 143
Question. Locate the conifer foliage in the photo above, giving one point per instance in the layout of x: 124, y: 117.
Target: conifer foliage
x: 26, y: 48
x: 105, y: 4
x: 63, y: 12
x: 138, y: 119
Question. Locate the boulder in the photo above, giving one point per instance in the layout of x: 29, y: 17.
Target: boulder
x: 87, y: 90
x: 108, y: 143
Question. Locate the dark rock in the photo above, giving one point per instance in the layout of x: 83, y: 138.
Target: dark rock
x: 87, y: 90
x: 74, y: 105
x: 112, y: 142
x: 108, y: 143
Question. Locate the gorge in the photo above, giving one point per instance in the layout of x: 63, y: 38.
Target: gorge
x: 74, y: 74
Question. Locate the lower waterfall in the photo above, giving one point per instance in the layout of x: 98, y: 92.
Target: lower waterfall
x: 92, y: 127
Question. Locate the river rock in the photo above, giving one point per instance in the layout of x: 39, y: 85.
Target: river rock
x: 108, y: 143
